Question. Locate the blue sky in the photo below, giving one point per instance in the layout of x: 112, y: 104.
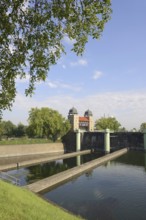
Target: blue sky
x: 109, y: 79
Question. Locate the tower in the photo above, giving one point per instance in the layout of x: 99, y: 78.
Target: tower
x: 88, y: 114
x: 73, y: 117
x: 85, y: 123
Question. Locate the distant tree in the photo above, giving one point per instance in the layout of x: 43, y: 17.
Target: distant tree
x: 122, y: 129
x: 143, y: 126
x: 20, y: 130
x: 134, y: 130
x: 32, y: 33
x: 30, y: 131
x: 109, y: 122
x: 1, y: 129
x: 46, y: 122
x: 7, y: 128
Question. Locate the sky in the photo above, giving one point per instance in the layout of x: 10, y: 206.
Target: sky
x: 109, y: 79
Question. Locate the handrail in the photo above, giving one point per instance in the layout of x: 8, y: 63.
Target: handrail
x: 9, y: 178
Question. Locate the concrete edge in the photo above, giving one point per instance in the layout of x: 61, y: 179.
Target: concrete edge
x: 59, y: 178
x: 41, y: 160
x: 30, y: 154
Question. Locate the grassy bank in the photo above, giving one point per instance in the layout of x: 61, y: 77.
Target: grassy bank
x: 19, y: 204
x: 17, y: 141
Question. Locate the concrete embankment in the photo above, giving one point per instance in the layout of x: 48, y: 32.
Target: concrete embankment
x: 16, y: 162
x: 68, y: 174
x: 30, y: 149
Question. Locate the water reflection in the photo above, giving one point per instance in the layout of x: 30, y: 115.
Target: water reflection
x: 115, y: 190
x: 78, y: 160
x: 134, y: 158
x: 37, y: 172
x: 44, y: 170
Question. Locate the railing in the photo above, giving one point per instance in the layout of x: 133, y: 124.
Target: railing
x: 9, y: 178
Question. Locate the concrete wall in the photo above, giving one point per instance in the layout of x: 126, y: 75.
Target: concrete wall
x: 69, y: 142
x: 127, y: 139
x: 95, y: 140
x: 31, y: 149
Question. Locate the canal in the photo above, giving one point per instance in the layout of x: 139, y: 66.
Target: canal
x: 34, y: 173
x: 113, y: 191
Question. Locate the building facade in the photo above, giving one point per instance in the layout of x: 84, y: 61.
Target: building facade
x: 85, y: 123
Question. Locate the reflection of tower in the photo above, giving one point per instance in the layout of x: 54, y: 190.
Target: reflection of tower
x: 73, y: 117
x: 78, y: 160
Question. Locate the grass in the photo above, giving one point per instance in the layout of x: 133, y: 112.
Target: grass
x: 19, y: 204
x: 17, y: 141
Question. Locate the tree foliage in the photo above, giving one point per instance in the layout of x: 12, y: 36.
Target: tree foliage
x: 7, y: 129
x: 109, y: 122
x: 46, y: 122
x: 143, y: 126
x: 20, y: 130
x: 32, y: 33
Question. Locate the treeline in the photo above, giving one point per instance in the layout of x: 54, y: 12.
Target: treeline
x: 113, y: 124
x: 9, y: 130
x: 50, y: 124
x: 42, y: 123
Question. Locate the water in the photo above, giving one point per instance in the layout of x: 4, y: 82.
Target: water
x: 113, y: 191
x: 34, y: 173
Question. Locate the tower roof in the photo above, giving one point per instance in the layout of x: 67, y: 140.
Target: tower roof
x: 73, y: 111
x: 88, y: 113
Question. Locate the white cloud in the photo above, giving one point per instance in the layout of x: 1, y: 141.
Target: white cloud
x: 23, y: 80
x: 97, y: 74
x: 52, y: 85
x: 80, y: 62
x: 58, y: 84
x: 68, y: 40
x: 74, y: 88
x: 128, y: 107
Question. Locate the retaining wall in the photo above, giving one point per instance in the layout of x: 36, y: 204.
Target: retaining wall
x: 30, y: 149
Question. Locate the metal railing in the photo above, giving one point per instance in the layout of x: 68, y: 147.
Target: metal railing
x: 7, y: 177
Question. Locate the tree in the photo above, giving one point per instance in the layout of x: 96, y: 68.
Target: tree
x: 46, y: 122
x: 1, y: 129
x: 143, y: 126
x: 31, y: 37
x: 20, y: 130
x: 122, y: 129
x: 7, y: 128
x: 109, y: 122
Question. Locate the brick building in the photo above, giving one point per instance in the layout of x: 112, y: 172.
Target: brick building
x: 85, y: 122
